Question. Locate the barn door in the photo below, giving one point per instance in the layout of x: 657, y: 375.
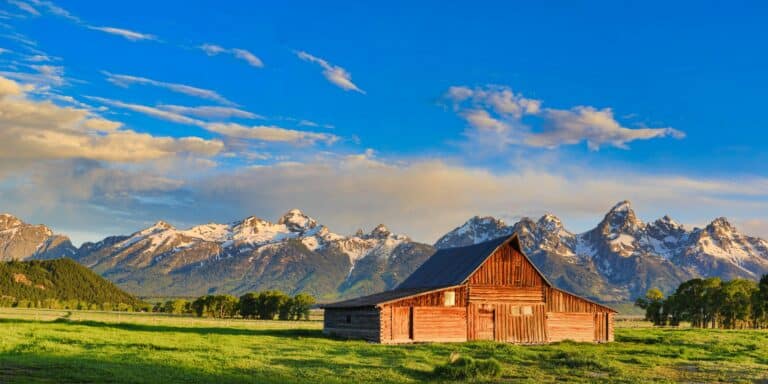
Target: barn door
x: 485, y: 324
x: 402, y: 323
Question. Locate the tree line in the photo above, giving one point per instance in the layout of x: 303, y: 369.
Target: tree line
x: 710, y: 303
x: 253, y: 305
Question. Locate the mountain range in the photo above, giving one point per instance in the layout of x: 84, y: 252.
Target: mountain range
x: 618, y: 260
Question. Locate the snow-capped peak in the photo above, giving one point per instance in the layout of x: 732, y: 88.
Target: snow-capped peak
x: 381, y: 231
x: 620, y: 219
x: 297, y: 221
x: 723, y: 224
x: 550, y: 223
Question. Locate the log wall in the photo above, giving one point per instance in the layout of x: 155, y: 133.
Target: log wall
x: 352, y: 323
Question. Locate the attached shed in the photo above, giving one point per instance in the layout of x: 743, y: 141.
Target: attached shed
x: 487, y: 291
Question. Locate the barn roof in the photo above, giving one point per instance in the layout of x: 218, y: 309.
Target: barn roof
x: 453, y: 266
x: 379, y: 298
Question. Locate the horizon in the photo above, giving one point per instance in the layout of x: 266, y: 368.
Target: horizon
x: 689, y: 227
x: 417, y: 116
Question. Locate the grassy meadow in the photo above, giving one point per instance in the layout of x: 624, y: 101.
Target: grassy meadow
x: 50, y: 346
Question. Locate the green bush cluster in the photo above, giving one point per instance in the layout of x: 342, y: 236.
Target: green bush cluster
x: 253, y: 305
x: 464, y: 367
x: 710, y: 303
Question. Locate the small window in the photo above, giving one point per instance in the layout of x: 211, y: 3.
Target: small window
x: 449, y: 299
x: 527, y: 311
x: 349, y: 319
x: 514, y: 310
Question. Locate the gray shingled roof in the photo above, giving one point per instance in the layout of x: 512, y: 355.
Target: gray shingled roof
x: 376, y: 298
x: 451, y: 266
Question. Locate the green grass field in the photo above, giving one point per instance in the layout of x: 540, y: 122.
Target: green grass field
x: 69, y: 346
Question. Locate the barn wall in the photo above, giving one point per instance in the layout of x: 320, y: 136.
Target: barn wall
x: 560, y: 301
x: 363, y: 323
x: 507, y: 267
x: 427, y: 316
x: 523, y: 323
x: 440, y: 324
x: 434, y: 299
x: 572, y: 317
x: 571, y: 326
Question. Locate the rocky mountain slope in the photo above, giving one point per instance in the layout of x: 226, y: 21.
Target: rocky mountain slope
x: 295, y: 254
x: 622, y: 256
x: 22, y: 241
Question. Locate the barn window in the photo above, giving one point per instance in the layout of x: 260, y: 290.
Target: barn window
x: 449, y: 299
x: 514, y: 310
x: 349, y: 319
x: 527, y: 311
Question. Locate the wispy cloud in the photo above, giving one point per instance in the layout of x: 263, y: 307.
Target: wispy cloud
x: 210, y: 111
x: 242, y: 54
x: 126, y: 33
x: 494, y: 113
x: 333, y: 73
x: 128, y: 80
x: 40, y: 7
x: 266, y: 133
x: 24, y: 6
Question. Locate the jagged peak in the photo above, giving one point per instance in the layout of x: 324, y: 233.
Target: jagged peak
x: 296, y: 220
x: 722, y: 222
x: 163, y: 224
x: 620, y: 218
x: 485, y: 220
x: 381, y: 231
x: 668, y: 222
x: 550, y: 219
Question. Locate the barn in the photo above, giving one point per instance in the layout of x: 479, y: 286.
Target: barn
x: 487, y: 291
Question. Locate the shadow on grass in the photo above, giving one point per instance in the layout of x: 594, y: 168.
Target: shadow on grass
x: 41, y: 368
x: 287, y: 333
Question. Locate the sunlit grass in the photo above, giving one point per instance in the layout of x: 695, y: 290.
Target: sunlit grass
x: 72, y: 346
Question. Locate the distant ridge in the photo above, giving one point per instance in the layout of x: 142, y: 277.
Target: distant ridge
x: 59, y: 279
x: 622, y: 257
x: 618, y: 260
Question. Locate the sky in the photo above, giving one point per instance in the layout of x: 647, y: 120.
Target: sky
x: 114, y: 115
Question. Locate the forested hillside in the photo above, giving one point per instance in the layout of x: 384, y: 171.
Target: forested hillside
x: 58, y: 282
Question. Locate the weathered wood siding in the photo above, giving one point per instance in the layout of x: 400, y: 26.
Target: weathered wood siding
x: 427, y: 316
x: 560, y: 301
x: 506, y: 267
x: 440, y: 324
x: 352, y: 323
x: 571, y: 326
x: 523, y: 323
x: 434, y: 299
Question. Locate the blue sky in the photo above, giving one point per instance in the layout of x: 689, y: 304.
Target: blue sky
x: 417, y: 116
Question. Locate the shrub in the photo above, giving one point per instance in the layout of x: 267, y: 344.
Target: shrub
x: 462, y: 368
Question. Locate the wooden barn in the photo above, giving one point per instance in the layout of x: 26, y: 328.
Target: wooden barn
x: 487, y: 291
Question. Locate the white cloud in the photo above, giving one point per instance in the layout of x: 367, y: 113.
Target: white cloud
x: 127, y: 80
x: 498, y: 111
x: 242, y: 54
x: 270, y: 133
x: 26, y: 7
x: 210, y: 112
x: 333, y: 73
x: 39, y: 130
x: 125, y: 33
